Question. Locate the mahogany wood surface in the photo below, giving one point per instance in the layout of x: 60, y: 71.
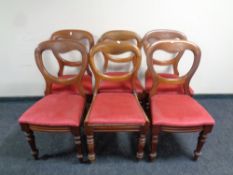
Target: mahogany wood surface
x: 77, y: 36
x: 119, y: 36
x: 112, y: 47
x: 163, y: 34
x: 58, y: 47
x: 175, y: 46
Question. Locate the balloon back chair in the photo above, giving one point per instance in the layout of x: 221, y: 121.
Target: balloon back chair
x: 119, y: 36
x: 58, y: 111
x: 176, y: 112
x: 115, y: 111
x: 153, y: 37
x: 80, y: 36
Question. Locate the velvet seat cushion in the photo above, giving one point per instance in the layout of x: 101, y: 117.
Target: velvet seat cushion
x: 165, y: 88
x: 86, y: 82
x: 62, y: 109
x: 107, y: 86
x: 178, y: 110
x: 116, y: 108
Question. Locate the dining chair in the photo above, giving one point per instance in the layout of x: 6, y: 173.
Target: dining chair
x: 115, y: 111
x: 119, y: 36
x: 57, y: 111
x: 152, y: 37
x: 80, y: 36
x: 176, y: 112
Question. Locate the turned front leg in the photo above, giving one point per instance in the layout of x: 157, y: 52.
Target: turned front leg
x: 201, y: 141
x: 78, y: 143
x: 90, y: 145
x: 31, y: 140
x: 141, y: 145
x: 154, y: 142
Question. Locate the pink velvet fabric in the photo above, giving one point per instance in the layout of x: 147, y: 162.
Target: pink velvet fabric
x: 178, y: 110
x: 107, y: 86
x: 86, y: 82
x: 62, y: 109
x: 116, y: 108
x: 165, y: 88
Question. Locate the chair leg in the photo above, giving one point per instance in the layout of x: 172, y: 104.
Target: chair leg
x: 154, y: 142
x: 78, y: 143
x: 201, y: 140
x: 141, y: 145
x: 31, y: 140
x: 90, y: 144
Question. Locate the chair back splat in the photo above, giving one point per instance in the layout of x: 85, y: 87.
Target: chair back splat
x: 82, y: 37
x: 57, y: 48
x: 110, y: 48
x: 122, y: 35
x: 161, y: 34
x: 155, y: 36
x: 173, y: 46
x: 109, y: 63
x: 76, y: 35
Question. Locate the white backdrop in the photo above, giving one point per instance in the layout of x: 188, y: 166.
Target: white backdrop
x: 25, y: 23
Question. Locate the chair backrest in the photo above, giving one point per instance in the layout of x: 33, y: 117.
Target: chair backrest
x: 163, y: 34
x: 119, y: 36
x: 59, y: 47
x: 173, y: 46
x: 77, y: 35
x: 113, y: 48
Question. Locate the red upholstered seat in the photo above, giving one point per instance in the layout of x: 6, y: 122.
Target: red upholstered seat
x: 61, y: 109
x: 116, y: 108
x: 178, y: 110
x: 107, y: 86
x: 166, y: 88
x: 86, y: 82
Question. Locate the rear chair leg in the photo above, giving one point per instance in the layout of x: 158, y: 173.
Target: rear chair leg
x: 154, y: 142
x: 141, y: 145
x: 31, y: 140
x: 201, y: 141
x: 90, y: 145
x: 78, y: 143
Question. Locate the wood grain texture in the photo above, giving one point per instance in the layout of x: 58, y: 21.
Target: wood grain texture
x: 113, y: 47
x: 175, y: 46
x: 79, y: 36
x: 58, y: 46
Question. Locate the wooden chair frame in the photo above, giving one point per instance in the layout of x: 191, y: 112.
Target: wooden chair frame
x: 158, y: 35
x: 122, y: 36
x: 174, y: 47
x: 58, y: 47
x: 119, y: 36
x: 76, y: 36
x: 115, y: 48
